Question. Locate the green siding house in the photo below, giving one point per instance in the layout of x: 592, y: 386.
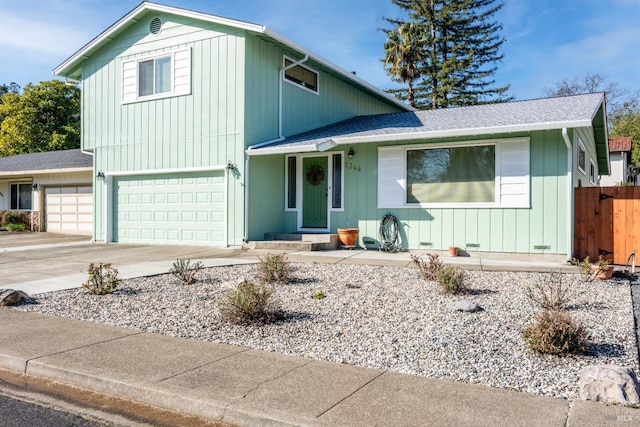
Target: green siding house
x: 206, y: 130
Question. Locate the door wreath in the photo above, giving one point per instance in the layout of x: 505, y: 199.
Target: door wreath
x: 315, y: 175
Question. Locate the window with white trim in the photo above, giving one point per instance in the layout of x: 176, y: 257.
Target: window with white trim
x: 592, y: 172
x: 20, y: 197
x: 160, y: 76
x: 336, y: 166
x: 301, y: 76
x: 466, y: 174
x: 582, y: 157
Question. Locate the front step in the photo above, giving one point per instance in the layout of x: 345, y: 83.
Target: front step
x: 298, y: 242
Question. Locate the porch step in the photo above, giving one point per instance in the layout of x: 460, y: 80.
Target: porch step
x: 298, y: 242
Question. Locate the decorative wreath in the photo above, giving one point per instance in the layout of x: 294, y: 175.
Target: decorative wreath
x: 315, y: 175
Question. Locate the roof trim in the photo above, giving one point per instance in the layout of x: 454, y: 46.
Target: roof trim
x: 45, y: 171
x: 73, y: 61
x: 409, y: 136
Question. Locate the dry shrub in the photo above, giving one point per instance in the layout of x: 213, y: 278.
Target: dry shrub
x: 550, y: 294
x: 246, y: 303
x: 184, y: 271
x: 556, y: 332
x: 428, y: 270
x: 103, y: 279
x: 275, y: 269
x: 451, y: 280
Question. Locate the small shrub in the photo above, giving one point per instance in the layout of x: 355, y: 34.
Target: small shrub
x: 246, y: 303
x: 451, y: 280
x: 549, y: 294
x: 319, y: 295
x: 275, y: 269
x: 555, y: 332
x: 14, y: 217
x: 185, y: 271
x: 15, y: 227
x: 586, y: 272
x: 428, y: 270
x: 103, y: 279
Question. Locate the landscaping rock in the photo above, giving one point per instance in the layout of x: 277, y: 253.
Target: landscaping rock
x: 609, y: 384
x: 11, y: 297
x: 464, y: 305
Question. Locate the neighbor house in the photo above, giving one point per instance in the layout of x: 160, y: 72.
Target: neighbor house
x: 206, y: 130
x: 53, y: 188
x: 620, y: 154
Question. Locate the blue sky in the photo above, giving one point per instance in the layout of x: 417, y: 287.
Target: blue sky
x: 547, y: 40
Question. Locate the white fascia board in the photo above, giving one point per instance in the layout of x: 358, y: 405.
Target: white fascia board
x: 290, y: 149
x: 45, y: 171
x: 216, y: 168
x: 456, y: 132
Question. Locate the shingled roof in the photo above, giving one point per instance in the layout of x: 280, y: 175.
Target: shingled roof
x: 46, y: 161
x: 622, y: 143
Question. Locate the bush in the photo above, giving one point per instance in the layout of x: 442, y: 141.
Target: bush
x: 15, y: 227
x: 555, y: 332
x: 103, y: 279
x: 431, y: 270
x: 185, y: 271
x: 586, y: 272
x: 246, y: 303
x: 14, y: 217
x: 451, y: 280
x: 550, y: 294
x: 275, y: 269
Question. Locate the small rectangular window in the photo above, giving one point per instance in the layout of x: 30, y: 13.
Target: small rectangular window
x: 582, y: 157
x: 154, y: 76
x: 592, y: 173
x: 291, y: 182
x: 301, y: 76
x: 20, y: 197
x: 336, y: 192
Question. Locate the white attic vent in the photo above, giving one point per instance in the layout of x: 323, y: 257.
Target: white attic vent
x: 155, y: 26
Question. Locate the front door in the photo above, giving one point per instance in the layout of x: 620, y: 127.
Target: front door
x: 315, y: 177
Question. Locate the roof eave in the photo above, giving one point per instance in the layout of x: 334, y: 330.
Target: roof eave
x: 45, y: 171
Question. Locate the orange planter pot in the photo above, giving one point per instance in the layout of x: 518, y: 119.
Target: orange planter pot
x: 453, y: 251
x: 348, y: 236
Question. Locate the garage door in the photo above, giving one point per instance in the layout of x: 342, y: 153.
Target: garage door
x: 170, y: 209
x: 68, y: 209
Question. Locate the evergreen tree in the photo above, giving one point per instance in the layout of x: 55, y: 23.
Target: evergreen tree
x: 460, y: 46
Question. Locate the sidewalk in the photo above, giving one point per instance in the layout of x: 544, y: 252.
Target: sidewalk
x: 249, y: 387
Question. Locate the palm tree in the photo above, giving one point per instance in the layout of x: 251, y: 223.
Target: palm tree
x: 403, y: 54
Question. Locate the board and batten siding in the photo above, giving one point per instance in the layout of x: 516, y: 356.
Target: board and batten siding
x: 336, y: 100
x: 204, y: 128
x: 512, y: 229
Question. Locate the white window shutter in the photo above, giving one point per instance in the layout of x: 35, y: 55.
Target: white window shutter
x: 182, y: 72
x: 129, y: 81
x: 391, y: 179
x: 514, y: 174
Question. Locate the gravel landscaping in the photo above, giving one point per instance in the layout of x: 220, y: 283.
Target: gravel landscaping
x: 379, y: 317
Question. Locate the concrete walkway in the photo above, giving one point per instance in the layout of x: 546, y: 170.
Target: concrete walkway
x: 244, y: 386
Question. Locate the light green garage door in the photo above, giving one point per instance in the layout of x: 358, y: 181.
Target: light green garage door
x: 170, y: 209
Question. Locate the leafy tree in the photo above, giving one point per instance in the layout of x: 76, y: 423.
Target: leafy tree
x: 627, y: 123
x: 618, y: 99
x: 457, y: 46
x: 9, y: 88
x: 46, y: 117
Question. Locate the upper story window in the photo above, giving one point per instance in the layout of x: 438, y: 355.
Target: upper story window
x: 160, y: 76
x: 301, y: 76
x: 20, y: 197
x: 592, y: 173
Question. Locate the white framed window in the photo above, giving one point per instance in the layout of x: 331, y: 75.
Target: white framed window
x: 20, y: 197
x: 301, y: 76
x: 582, y: 157
x: 592, y: 172
x: 491, y: 173
x: 293, y: 181
x: 159, y: 76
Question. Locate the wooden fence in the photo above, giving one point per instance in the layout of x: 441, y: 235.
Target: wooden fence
x: 607, y: 223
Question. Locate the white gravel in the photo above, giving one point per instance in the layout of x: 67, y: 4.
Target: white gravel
x: 393, y: 321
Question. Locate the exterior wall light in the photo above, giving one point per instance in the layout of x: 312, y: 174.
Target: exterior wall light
x: 351, y: 153
x: 34, y: 186
x: 100, y: 175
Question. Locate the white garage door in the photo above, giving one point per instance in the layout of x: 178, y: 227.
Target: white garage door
x: 68, y: 209
x: 171, y: 209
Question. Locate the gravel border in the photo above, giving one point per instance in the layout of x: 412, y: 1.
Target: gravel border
x: 380, y: 317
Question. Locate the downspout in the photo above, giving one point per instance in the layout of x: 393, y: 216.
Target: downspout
x: 565, y: 136
x: 280, y: 137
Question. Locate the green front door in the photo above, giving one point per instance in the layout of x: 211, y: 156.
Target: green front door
x: 315, y: 175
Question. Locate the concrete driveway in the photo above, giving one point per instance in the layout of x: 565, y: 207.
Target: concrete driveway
x: 30, y: 257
